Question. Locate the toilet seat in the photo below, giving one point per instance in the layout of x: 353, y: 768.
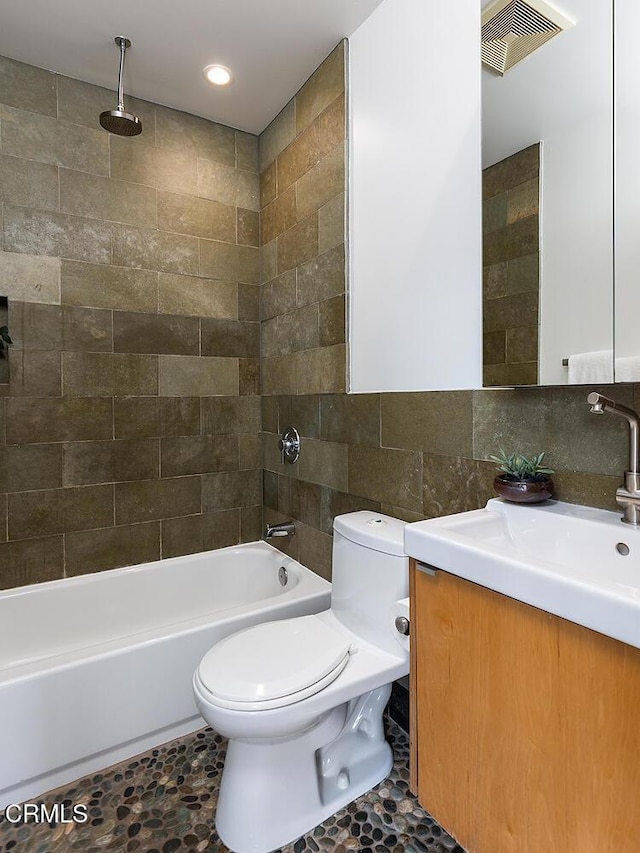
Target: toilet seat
x: 273, y: 664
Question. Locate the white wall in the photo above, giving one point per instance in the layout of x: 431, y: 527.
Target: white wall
x: 562, y: 95
x: 627, y: 310
x: 415, y: 217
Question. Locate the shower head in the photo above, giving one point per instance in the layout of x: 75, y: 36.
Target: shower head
x: 119, y: 121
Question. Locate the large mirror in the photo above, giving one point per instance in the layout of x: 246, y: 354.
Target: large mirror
x: 548, y: 161
x: 627, y: 192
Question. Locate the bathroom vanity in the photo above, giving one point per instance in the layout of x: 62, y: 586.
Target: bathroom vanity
x: 525, y: 725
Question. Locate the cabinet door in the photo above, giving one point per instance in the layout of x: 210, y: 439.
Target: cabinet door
x: 528, y: 726
x: 415, y: 227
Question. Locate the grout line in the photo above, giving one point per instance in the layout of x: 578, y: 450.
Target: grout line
x: 59, y: 207
x: 56, y: 78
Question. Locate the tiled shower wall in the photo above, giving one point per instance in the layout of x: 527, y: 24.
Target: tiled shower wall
x: 411, y: 455
x: 130, y: 427
x: 302, y: 192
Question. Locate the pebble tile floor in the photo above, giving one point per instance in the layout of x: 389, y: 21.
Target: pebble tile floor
x: 164, y: 801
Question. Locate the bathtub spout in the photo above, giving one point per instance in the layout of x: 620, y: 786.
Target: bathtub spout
x: 288, y: 528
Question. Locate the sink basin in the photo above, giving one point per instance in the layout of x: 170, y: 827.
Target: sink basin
x: 577, y: 562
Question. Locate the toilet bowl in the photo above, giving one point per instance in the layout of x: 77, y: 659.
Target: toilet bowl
x: 301, y: 700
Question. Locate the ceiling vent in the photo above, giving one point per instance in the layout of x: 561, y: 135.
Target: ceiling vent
x: 512, y: 29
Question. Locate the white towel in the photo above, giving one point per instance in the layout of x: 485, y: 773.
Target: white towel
x: 628, y: 369
x: 588, y: 367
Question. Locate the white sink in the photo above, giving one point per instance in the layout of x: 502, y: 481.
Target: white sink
x: 562, y: 558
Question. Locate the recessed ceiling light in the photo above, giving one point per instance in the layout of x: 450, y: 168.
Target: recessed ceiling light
x: 218, y: 74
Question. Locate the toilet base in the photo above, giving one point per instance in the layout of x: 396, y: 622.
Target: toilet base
x: 271, y: 793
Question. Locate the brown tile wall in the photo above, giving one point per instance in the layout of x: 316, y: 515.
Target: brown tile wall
x: 411, y: 455
x: 511, y: 264
x: 302, y: 200
x: 130, y: 427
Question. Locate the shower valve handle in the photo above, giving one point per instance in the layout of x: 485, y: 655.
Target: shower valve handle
x: 289, y: 445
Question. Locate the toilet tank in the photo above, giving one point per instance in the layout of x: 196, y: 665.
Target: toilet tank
x: 370, y: 573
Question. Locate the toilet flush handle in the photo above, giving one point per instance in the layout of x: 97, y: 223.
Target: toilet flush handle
x: 402, y: 625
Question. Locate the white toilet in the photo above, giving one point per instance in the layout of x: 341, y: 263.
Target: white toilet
x: 301, y: 700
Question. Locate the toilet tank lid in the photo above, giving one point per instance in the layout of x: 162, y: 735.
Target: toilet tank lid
x: 373, y: 530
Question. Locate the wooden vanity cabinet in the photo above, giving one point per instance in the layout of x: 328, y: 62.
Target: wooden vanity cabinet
x: 525, y: 727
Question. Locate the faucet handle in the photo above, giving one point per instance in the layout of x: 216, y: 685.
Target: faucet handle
x: 598, y: 402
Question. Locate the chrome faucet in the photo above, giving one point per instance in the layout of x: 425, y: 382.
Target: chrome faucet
x: 627, y: 495
x: 287, y: 528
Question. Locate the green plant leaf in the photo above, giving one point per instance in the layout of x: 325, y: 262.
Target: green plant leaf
x: 520, y: 467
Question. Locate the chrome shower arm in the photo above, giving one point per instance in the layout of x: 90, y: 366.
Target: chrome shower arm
x: 123, y: 43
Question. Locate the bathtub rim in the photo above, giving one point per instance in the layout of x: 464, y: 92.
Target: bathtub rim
x: 31, y: 668
x: 78, y: 580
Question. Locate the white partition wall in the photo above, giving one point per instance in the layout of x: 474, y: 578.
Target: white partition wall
x: 415, y: 201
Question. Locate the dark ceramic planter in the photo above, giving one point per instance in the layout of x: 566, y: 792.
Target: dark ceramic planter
x: 523, y: 491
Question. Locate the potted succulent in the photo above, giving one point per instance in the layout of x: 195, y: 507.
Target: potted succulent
x: 522, y: 479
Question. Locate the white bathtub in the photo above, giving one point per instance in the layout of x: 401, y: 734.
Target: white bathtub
x: 98, y: 668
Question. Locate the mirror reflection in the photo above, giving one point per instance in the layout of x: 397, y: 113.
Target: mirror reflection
x: 547, y: 151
